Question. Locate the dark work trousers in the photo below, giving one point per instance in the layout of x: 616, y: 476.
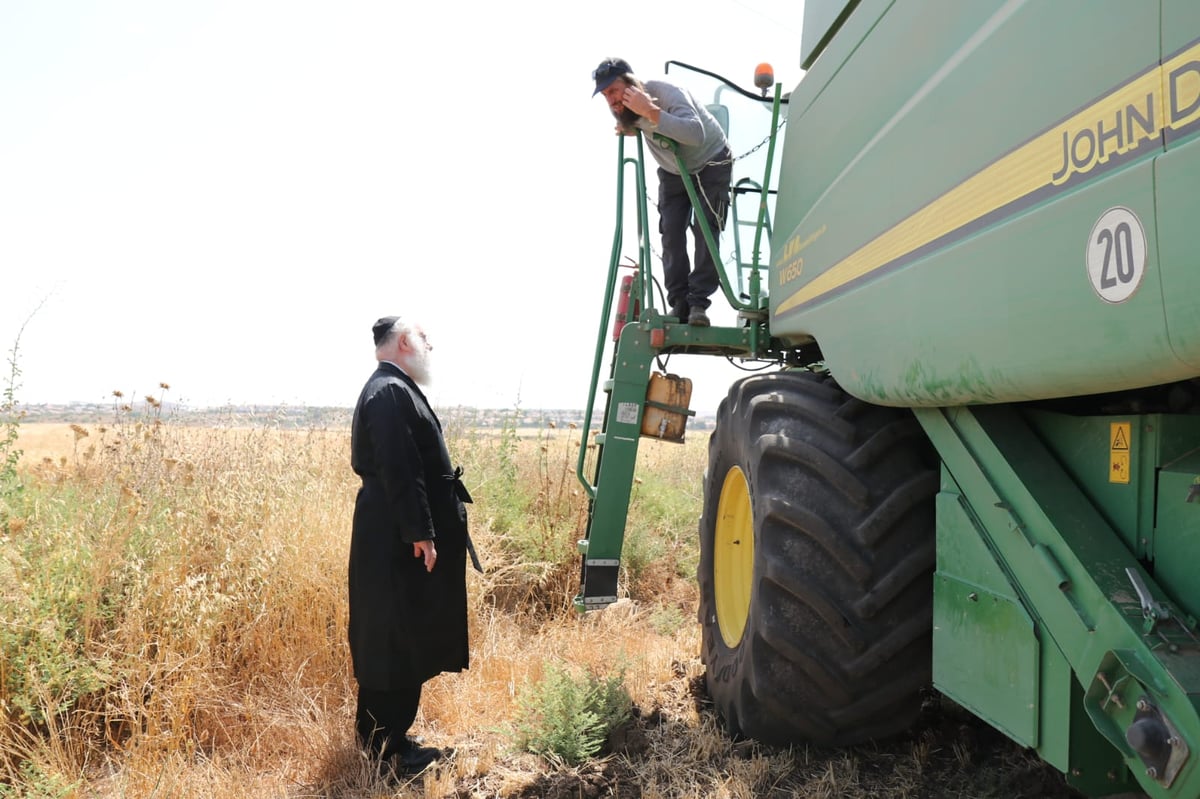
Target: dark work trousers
x: 384, y: 717
x: 687, y: 287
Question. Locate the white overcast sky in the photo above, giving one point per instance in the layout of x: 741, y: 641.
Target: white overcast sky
x: 224, y: 195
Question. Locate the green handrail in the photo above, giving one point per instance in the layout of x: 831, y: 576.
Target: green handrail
x: 755, y: 285
x: 610, y: 285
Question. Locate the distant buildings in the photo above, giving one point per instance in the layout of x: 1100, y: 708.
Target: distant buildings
x: 301, y: 417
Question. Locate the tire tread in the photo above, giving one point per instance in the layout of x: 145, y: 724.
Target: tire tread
x: 837, y: 645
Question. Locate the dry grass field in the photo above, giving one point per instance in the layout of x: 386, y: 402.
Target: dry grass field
x: 173, y: 616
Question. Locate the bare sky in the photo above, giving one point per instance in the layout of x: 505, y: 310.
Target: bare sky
x: 224, y: 195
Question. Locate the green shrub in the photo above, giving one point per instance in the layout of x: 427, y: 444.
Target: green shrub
x: 568, y: 717
x: 493, y: 473
x: 668, y: 620
x: 555, y: 515
x: 43, y: 641
x: 10, y: 428
x: 34, y: 783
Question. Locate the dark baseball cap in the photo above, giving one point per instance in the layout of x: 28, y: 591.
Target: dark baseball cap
x: 609, y: 70
x: 381, y: 327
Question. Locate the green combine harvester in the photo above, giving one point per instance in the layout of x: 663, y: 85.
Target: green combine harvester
x: 978, y: 463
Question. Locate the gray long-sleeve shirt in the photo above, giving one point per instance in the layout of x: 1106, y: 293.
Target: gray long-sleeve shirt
x: 688, y: 122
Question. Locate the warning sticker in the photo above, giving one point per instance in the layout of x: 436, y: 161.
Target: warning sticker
x: 1119, y: 467
x: 1119, y: 437
x: 627, y: 412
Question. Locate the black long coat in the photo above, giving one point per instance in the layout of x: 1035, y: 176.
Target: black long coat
x: 405, y: 623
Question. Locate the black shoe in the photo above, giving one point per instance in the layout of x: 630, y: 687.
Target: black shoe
x: 414, y: 759
x: 698, y: 318
x: 680, y: 312
x: 388, y: 750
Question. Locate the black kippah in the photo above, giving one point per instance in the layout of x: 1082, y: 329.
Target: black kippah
x: 381, y: 328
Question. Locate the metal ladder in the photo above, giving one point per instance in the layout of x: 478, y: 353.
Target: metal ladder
x: 644, y: 333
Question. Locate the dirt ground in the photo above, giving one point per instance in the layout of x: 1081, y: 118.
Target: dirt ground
x: 948, y: 755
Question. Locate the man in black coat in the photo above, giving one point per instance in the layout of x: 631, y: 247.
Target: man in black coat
x: 408, y: 592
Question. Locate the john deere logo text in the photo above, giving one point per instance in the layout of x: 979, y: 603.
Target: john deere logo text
x: 1121, y: 123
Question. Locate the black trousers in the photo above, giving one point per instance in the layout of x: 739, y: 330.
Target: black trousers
x: 689, y: 287
x: 383, y: 719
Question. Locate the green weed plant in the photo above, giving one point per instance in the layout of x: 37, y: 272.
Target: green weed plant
x: 10, y: 429
x: 567, y: 716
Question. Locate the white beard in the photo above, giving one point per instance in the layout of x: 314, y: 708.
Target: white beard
x: 417, y: 366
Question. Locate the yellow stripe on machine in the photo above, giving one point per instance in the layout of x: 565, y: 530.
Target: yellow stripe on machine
x: 1165, y: 96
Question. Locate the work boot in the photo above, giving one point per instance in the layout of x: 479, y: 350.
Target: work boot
x: 680, y: 312
x: 698, y: 318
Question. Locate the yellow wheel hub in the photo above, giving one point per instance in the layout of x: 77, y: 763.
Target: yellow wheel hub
x: 733, y: 557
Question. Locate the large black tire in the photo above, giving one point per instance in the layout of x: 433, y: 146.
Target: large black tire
x: 816, y: 563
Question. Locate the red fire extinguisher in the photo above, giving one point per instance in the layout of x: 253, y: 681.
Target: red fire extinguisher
x: 627, y: 308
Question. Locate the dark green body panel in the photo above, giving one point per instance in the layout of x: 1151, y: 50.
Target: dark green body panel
x: 986, y: 651
x: 992, y: 657
x: 1039, y: 627
x: 1156, y: 514
x: 908, y: 103
x: 1177, y: 550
